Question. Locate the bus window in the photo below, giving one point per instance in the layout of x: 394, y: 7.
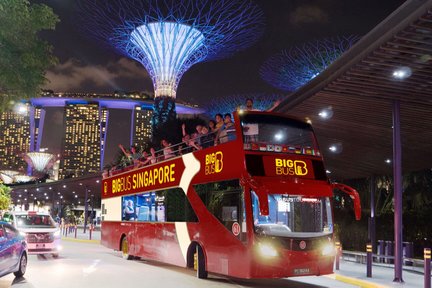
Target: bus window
x: 277, y: 132
x: 293, y: 216
x: 225, y: 200
x: 169, y: 205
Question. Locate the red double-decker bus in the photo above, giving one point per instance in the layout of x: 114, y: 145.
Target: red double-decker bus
x: 258, y: 205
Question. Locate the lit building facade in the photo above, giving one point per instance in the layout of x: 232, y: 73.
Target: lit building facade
x: 81, y: 139
x: 141, y: 130
x: 86, y: 124
x: 14, y: 139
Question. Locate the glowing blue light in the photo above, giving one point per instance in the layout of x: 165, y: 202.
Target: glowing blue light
x: 230, y: 103
x: 290, y: 69
x: 169, y: 49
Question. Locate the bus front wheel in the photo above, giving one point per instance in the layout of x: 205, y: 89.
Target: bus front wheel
x: 125, y: 249
x: 200, y: 265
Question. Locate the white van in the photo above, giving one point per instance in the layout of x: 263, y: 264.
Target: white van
x: 41, y: 232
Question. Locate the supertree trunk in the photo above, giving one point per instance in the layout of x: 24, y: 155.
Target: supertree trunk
x: 164, y: 116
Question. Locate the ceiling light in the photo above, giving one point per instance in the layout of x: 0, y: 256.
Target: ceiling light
x: 402, y: 73
x: 388, y: 161
x: 326, y: 113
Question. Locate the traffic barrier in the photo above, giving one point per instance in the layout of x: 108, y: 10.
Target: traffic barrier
x: 427, y: 267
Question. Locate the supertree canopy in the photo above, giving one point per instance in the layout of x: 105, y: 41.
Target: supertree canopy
x: 39, y: 161
x: 230, y: 103
x: 290, y: 69
x: 169, y: 36
x: 7, y: 176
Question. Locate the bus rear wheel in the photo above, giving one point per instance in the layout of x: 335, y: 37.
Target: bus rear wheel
x: 125, y: 249
x: 200, y: 263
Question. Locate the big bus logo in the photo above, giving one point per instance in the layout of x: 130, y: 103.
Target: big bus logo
x: 291, y: 167
x: 213, y: 163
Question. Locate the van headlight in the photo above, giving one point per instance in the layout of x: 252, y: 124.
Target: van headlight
x: 267, y: 250
x: 23, y: 233
x: 57, y: 233
x: 328, y: 250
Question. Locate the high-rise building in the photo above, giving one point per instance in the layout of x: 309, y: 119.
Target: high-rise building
x: 141, y: 132
x: 14, y: 138
x: 86, y: 129
x: 81, y: 140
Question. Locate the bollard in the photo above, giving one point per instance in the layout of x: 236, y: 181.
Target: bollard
x: 427, y: 267
x: 76, y: 231
x: 389, y: 252
x: 381, y: 252
x: 369, y: 260
x: 408, y: 252
x: 337, y: 259
x: 66, y: 230
x: 90, y: 232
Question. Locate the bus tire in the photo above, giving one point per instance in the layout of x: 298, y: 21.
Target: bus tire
x: 125, y: 249
x: 201, y: 265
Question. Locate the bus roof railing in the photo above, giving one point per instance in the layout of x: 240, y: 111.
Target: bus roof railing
x: 179, y: 149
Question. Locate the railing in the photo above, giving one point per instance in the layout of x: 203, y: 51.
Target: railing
x: 205, y: 141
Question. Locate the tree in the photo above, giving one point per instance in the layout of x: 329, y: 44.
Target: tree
x: 24, y: 57
x: 5, y: 197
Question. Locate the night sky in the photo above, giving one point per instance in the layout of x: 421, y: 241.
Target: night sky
x: 87, y: 66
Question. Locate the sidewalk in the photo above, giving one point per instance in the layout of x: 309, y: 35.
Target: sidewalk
x: 355, y: 274
x: 81, y: 236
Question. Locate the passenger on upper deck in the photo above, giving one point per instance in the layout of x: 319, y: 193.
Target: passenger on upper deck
x: 226, y: 134
x: 219, y: 121
x: 167, y: 150
x: 212, y: 125
x: 207, y: 138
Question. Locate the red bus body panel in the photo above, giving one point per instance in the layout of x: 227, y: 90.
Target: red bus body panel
x: 225, y: 254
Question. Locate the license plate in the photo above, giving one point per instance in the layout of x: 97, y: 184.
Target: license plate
x: 301, y: 271
x: 40, y: 245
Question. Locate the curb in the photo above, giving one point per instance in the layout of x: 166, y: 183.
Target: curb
x: 81, y: 240
x: 357, y: 282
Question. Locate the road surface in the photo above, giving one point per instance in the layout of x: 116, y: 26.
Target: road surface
x: 92, y: 265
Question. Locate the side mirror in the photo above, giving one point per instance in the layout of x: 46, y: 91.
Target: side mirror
x: 353, y: 195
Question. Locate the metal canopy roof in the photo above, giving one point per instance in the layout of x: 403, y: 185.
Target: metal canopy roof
x: 360, y: 88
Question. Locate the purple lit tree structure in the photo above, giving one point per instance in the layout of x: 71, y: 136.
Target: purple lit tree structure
x: 290, y: 69
x: 7, y: 176
x: 228, y: 104
x: 39, y: 161
x: 169, y: 36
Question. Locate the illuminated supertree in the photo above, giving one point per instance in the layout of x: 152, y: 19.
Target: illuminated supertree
x: 7, y: 176
x: 39, y: 161
x: 230, y: 103
x: 22, y: 178
x: 169, y: 36
x: 290, y: 69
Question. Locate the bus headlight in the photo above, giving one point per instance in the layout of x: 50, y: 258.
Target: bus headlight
x: 328, y: 250
x: 266, y: 250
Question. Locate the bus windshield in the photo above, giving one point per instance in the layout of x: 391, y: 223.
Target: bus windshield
x: 293, y: 216
x: 35, y: 221
x: 274, y: 133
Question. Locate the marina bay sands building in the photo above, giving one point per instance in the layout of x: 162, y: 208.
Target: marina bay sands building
x: 82, y: 130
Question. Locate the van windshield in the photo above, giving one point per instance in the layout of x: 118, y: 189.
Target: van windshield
x: 35, y: 221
